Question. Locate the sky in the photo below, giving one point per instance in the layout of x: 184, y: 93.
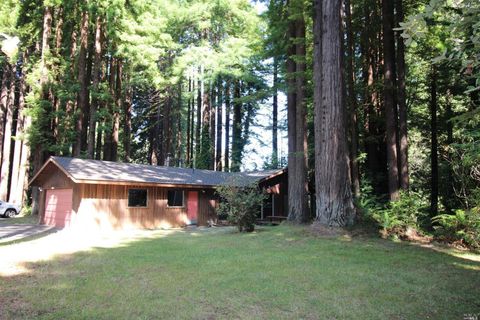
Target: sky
x: 260, y: 144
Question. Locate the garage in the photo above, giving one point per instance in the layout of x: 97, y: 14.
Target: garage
x: 58, y: 207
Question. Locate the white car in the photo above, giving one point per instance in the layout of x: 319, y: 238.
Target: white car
x: 9, y: 210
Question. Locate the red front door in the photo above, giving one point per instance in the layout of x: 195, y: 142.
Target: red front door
x: 192, y: 206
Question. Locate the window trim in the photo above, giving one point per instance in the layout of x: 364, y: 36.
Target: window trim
x: 128, y: 191
x: 183, y: 199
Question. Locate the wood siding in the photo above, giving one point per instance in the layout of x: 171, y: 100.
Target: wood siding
x: 278, y: 188
x: 52, y: 178
x: 106, y: 206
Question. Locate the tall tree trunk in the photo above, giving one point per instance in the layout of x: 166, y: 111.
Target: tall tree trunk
x: 227, y: 127
x: 218, y: 156
x: 189, y: 115
x: 116, y: 113
x: 82, y: 100
x: 107, y: 146
x: 3, y: 103
x: 213, y: 127
x: 334, y: 206
x: 167, y: 131
x: 297, y: 180
x: 97, y: 66
x: 58, y: 53
x: 450, y: 188
x: 5, y: 172
x: 21, y: 149
x: 389, y: 98
x: 237, y: 129
x: 434, y: 145
x: 352, y: 103
x: 293, y: 184
x: 204, y: 157
x: 275, y: 114
x: 199, y: 116
x: 402, y: 102
x: 192, y: 123
x: 301, y: 120
x: 178, y: 115
x: 39, y: 155
x: 127, y: 124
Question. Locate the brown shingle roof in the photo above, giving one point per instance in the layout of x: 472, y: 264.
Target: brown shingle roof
x: 84, y: 170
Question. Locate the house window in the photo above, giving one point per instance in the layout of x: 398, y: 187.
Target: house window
x: 137, y: 197
x: 175, y: 198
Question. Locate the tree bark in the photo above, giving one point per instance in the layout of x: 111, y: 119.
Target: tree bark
x: 226, y: 156
x: 107, y: 146
x: 275, y: 114
x: 192, y: 123
x: 97, y: 65
x: 127, y: 124
x: 434, y: 145
x: 21, y: 149
x: 116, y: 113
x: 82, y: 99
x: 352, y: 103
x: 5, y: 172
x: 213, y: 127
x: 334, y: 206
x: 199, y: 116
x: 189, y: 115
x: 293, y: 184
x: 389, y: 98
x: 3, y: 103
x: 218, y: 150
x: 402, y: 102
x: 39, y: 155
x: 297, y: 181
x: 237, y: 129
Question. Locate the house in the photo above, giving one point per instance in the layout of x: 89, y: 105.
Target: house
x: 103, y: 194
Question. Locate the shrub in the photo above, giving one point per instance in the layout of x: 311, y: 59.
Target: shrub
x: 463, y: 227
x: 395, y: 217
x: 241, y: 204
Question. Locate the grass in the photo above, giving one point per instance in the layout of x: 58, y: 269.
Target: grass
x: 20, y: 219
x: 275, y: 273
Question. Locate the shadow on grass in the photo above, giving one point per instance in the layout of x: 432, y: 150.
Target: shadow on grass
x: 276, y: 272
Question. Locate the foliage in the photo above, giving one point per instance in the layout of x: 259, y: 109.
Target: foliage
x: 463, y: 226
x: 402, y: 214
x: 394, y: 218
x: 241, y: 204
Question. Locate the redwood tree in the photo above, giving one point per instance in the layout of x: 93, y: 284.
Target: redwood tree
x: 334, y: 206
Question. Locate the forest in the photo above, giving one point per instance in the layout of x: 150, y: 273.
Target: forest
x: 382, y: 98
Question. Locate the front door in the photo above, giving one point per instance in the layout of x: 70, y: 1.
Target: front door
x: 192, y: 206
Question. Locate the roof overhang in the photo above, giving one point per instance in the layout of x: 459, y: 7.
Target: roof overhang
x: 117, y: 182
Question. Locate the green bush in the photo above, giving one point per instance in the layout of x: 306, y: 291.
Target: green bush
x: 241, y: 204
x: 463, y: 226
x: 395, y: 217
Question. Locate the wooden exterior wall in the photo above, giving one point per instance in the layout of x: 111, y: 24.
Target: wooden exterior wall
x: 278, y: 188
x: 106, y: 206
x: 52, y: 178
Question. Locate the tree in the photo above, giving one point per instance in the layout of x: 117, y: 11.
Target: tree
x: 297, y: 135
x: 334, y: 205
x: 391, y: 122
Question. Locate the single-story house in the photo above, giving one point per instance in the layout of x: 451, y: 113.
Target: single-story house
x: 103, y: 194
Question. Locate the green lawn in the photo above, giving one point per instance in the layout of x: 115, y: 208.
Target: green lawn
x: 20, y: 219
x: 274, y: 273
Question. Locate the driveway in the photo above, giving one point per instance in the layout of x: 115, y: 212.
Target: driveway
x: 15, y: 232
